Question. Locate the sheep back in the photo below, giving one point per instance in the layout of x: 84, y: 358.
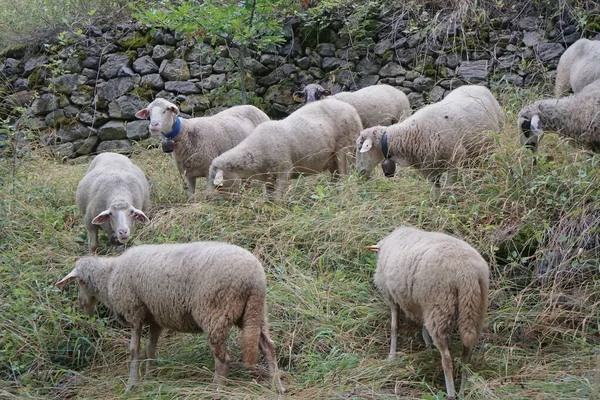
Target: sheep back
x: 578, y: 66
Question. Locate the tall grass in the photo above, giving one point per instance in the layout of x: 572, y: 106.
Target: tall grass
x: 330, y: 325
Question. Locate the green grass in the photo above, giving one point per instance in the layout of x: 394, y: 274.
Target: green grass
x: 330, y: 325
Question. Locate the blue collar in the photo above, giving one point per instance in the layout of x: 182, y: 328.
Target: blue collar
x: 175, y: 130
x: 384, y: 146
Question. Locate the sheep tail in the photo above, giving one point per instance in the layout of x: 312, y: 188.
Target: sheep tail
x: 472, y: 307
x: 254, y: 315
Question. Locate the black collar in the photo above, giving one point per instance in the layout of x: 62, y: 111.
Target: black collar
x: 384, y: 146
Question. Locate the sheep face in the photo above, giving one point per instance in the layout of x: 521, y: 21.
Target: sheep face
x: 530, y: 128
x: 368, y: 150
x: 122, y: 217
x: 85, y: 297
x: 310, y: 93
x: 162, y: 116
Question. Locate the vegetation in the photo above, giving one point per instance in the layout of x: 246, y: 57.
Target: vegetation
x: 330, y: 325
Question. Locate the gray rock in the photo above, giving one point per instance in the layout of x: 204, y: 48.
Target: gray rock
x: 213, y: 81
x: 201, y: 53
x: 422, y: 84
x: 45, y: 103
x: 291, y: 49
x: 20, y: 84
x: 314, y: 56
x: 223, y: 65
x: 85, y: 146
x: 436, y: 94
x: 532, y: 38
x: 398, y: 81
x: 254, y: 66
x: 479, y: 55
x: 95, y: 119
x: 368, y: 67
x: 126, y: 106
x: 382, y: 46
x: 64, y: 150
x: 174, y: 70
x: 303, y: 62
x: 316, y: 72
x: 71, y: 111
x: 415, y: 39
x: 415, y: 99
x: 548, y: 51
x: 331, y: 63
x: 194, y: 103
x: 113, y: 64
x: 304, y: 78
x: 55, y: 118
x: 271, y: 60
x: 453, y: 61
x: 72, y: 64
x: 33, y: 63
x: 506, y: 62
x: 367, y: 80
x: 20, y: 98
x: 515, y: 80
x: 114, y: 88
x: 153, y: 81
x: 474, y: 71
x: 345, y: 78
x: 90, y: 74
x: 162, y: 52
x: 74, y: 131
x: 406, y: 56
x: 145, y: 65
x: 83, y: 95
x: 571, y: 38
x: 91, y: 62
x: 115, y: 146
x: 181, y: 87
x: 277, y: 75
x: 529, y: 23
x: 451, y: 84
x: 137, y: 130
x: 326, y: 49
x: 391, y: 70
x: 68, y: 83
x: 112, y: 130
x: 281, y: 93
x: 199, y: 71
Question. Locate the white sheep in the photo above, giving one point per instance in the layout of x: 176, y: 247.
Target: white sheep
x: 315, y: 138
x: 439, y: 137
x: 438, y: 281
x: 376, y: 105
x: 194, y: 287
x: 198, y: 140
x: 576, y: 116
x: 578, y: 66
x: 112, y: 194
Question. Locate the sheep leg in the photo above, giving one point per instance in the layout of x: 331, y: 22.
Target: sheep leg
x: 426, y: 337
x: 441, y: 341
x: 134, y: 349
x: 281, y: 185
x: 267, y: 347
x: 466, y: 358
x: 191, y: 186
x: 435, y: 189
x: 341, y: 160
x: 92, y: 238
x: 450, y: 177
x: 155, y: 331
x: 394, y: 333
x: 217, y: 340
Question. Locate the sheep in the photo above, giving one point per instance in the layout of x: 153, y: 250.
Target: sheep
x: 576, y: 116
x: 193, y: 287
x: 438, y: 281
x: 314, y: 138
x: 376, y: 105
x: 113, y: 194
x: 439, y: 137
x: 198, y: 140
x: 578, y: 66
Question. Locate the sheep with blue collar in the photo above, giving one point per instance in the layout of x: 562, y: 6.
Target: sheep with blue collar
x: 197, y: 141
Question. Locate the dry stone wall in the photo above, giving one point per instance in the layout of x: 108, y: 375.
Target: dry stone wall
x: 81, y: 94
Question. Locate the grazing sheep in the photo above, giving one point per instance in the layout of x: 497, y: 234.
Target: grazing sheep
x: 439, y: 137
x: 112, y: 194
x: 194, y: 287
x: 576, y: 116
x: 376, y: 105
x: 438, y: 281
x: 578, y: 66
x: 317, y: 137
x: 198, y: 140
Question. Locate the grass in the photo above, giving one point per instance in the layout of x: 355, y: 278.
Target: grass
x: 330, y: 325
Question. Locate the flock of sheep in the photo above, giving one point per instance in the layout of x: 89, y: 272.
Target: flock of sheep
x: 210, y: 286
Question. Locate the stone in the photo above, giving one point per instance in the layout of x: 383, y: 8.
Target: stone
x: 91, y: 118
x: 529, y: 23
x: 368, y: 67
x: 74, y: 131
x: 91, y: 62
x: 367, y: 80
x: 213, y: 81
x: 548, y: 51
x: 137, y: 130
x: 382, y: 46
x: 114, y: 88
x: 451, y: 84
x: 326, y: 49
x: 479, y: 55
x: 453, y: 61
x: 71, y: 111
x: 277, y: 75
x: 181, y: 87
x: 20, y: 84
x: 572, y: 38
x: 406, y: 56
x: 515, y: 80
x: 161, y: 52
x: 254, y: 66
x: 83, y: 95
x: 304, y: 78
x: 46, y: 103
x: 67, y: 83
x: 125, y: 107
x: 474, y: 71
x: 415, y: 99
x: 345, y: 78
x: 33, y: 63
x: 55, y: 118
x: 111, y: 67
x: 303, y: 62
x: 316, y: 72
x: 145, y: 65
x: 315, y: 57
x: 85, y: 146
x: 391, y: 70
x: 201, y: 53
x: 281, y: 93
x: 200, y: 71
x: 506, y: 62
x: 422, y: 84
x: 271, y: 60
x: 152, y: 81
x: 62, y: 151
x: 331, y: 63
x: 194, y: 103
x: 291, y: 49
x: 436, y: 94
x: 174, y: 70
x: 90, y: 74
x: 115, y: 146
x: 223, y: 65
x: 72, y: 64
x: 532, y: 38
x: 112, y: 130
x: 20, y: 98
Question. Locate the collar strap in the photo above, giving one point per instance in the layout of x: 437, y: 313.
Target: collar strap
x: 175, y: 130
x: 384, y: 146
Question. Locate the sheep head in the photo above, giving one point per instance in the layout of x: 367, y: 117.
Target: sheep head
x: 530, y: 127
x: 85, y: 297
x: 162, y: 114
x: 368, y: 150
x: 310, y: 93
x: 122, y: 217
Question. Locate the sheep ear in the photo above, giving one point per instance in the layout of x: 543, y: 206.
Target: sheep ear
x: 326, y: 92
x: 368, y: 143
x: 140, y: 216
x: 299, y: 97
x: 101, y: 218
x: 143, y: 114
x: 218, y: 181
x: 536, y: 125
x: 174, y: 110
x: 70, y: 277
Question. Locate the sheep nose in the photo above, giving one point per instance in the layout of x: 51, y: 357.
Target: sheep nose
x: 362, y: 172
x: 153, y: 123
x: 123, y: 233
